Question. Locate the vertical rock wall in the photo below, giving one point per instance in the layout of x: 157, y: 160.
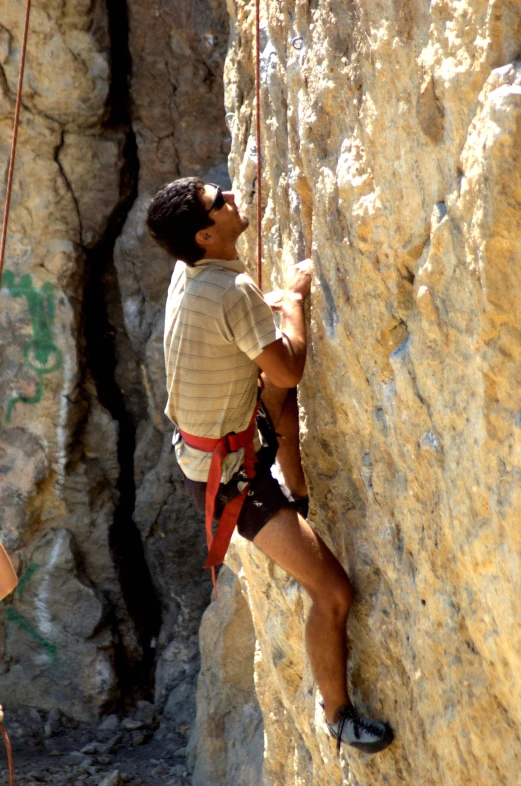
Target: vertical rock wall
x: 177, y: 53
x: 117, y: 101
x: 392, y: 156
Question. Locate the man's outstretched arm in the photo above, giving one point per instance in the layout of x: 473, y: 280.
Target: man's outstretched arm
x: 283, y: 360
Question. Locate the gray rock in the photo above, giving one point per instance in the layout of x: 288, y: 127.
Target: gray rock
x: 145, y: 712
x: 58, y: 603
x: 93, y: 747
x: 55, y: 716
x: 110, y: 723
x: 179, y: 707
x: 87, y: 765
x: 138, y: 738
x: 54, y: 720
x: 159, y: 769
x: 227, y: 651
x: 114, y: 779
x: 74, y: 757
x: 113, y: 743
x: 130, y: 724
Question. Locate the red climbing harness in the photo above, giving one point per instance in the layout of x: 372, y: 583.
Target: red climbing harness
x: 220, y: 448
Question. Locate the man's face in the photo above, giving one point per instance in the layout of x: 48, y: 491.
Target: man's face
x: 228, y: 222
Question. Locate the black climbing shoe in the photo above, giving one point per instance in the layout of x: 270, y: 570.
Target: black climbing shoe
x: 353, y: 729
x: 301, y: 505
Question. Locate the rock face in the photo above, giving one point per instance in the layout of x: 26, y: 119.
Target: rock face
x: 392, y: 147
x: 117, y: 101
x: 228, y: 746
x: 392, y: 156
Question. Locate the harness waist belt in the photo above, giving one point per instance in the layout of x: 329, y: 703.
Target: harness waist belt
x: 220, y: 448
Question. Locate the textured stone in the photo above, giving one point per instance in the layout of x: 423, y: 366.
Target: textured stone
x: 109, y: 723
x: 46, y: 493
x: 67, y: 71
x: 392, y: 138
x: 112, y: 108
x: 178, y: 119
x: 391, y: 156
x: 93, y: 168
x: 227, y: 743
x: 114, y: 779
x: 53, y: 617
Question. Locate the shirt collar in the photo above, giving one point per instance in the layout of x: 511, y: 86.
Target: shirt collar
x: 228, y: 264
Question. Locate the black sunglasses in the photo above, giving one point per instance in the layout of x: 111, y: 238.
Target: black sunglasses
x: 218, y: 200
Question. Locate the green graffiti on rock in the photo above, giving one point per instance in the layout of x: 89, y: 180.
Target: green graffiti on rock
x: 14, y: 616
x: 41, y: 354
x: 26, y: 577
x: 18, y: 619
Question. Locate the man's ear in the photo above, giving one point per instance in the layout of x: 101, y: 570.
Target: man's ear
x: 204, y: 237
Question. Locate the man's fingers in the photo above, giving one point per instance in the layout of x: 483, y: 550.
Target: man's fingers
x: 299, y: 277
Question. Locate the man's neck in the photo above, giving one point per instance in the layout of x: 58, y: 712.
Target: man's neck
x: 228, y: 253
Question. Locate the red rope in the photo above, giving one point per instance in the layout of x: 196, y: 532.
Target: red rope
x: 9, y: 754
x: 258, y: 143
x: 15, y: 138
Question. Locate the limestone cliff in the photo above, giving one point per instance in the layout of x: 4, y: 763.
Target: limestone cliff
x: 118, y: 99
x: 392, y: 139
x: 392, y: 156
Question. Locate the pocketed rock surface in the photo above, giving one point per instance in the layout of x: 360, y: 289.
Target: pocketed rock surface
x: 392, y: 157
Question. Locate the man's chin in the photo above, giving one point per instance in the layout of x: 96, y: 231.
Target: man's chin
x: 245, y: 222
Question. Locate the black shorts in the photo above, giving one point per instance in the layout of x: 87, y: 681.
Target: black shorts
x: 264, y: 498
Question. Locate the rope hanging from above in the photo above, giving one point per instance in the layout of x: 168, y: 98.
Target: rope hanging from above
x: 8, y: 749
x: 15, y: 138
x: 258, y: 143
x: 3, y: 239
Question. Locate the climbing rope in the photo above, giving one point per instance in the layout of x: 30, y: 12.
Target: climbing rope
x: 15, y: 138
x: 258, y: 143
x: 9, y: 187
x: 8, y: 749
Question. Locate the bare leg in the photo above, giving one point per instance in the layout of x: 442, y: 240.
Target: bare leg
x: 282, y: 406
x: 292, y: 544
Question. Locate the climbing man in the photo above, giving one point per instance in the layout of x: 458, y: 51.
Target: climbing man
x: 231, y: 375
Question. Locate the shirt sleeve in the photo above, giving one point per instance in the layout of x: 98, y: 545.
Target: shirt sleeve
x: 246, y: 318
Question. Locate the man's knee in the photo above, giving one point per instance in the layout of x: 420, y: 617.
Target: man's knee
x: 335, y: 596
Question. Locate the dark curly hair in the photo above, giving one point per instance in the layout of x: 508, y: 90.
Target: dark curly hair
x: 174, y: 216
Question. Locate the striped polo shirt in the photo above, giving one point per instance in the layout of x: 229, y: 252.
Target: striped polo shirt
x: 216, y: 324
